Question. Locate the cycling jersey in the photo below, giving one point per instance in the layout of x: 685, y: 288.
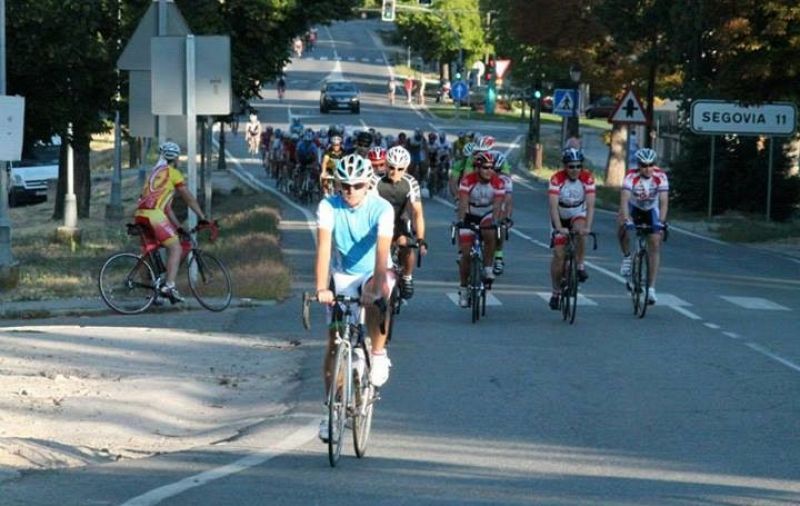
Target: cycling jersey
x: 160, y: 188
x: 399, y: 195
x: 416, y: 148
x: 333, y: 156
x: 306, y: 152
x: 355, y: 231
x: 571, y: 194
x: 482, y: 194
x: 644, y: 190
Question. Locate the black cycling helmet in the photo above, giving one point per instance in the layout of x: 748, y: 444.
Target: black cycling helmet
x: 364, y: 139
x: 572, y: 155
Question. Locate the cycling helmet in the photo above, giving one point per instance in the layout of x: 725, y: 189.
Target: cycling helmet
x: 646, y: 156
x: 336, y: 139
x: 398, y: 157
x: 499, y: 160
x: 169, y: 151
x: 468, y: 149
x: 278, y: 133
x: 484, y: 158
x: 309, y: 135
x: 364, y: 139
x: 442, y: 135
x: 432, y: 137
x: 353, y: 169
x: 572, y: 155
x: 485, y: 143
x: 376, y: 154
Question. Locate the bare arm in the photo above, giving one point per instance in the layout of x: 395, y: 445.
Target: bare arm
x: 381, y: 261
x: 555, y: 219
x: 591, y: 198
x: 187, y: 197
x: 663, y: 205
x: 419, y: 219
x: 322, y: 265
x: 463, y: 205
x: 625, y: 197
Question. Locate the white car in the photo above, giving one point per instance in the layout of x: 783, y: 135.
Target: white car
x: 28, y: 179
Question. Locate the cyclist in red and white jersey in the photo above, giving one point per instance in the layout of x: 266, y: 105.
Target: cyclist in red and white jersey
x: 571, y: 202
x: 480, y: 199
x: 644, y: 200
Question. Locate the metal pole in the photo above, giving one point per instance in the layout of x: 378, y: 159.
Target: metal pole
x: 162, y: 31
x: 408, y: 56
x: 70, y: 201
x: 191, y: 123
x: 6, y: 255
x: 769, y: 181
x: 114, y: 209
x: 711, y: 177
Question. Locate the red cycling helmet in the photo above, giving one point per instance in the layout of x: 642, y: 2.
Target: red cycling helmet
x: 377, y: 154
x: 483, y: 158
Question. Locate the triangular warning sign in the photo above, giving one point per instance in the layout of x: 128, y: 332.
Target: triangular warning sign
x: 629, y: 110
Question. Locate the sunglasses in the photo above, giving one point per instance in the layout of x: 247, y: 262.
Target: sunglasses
x: 350, y: 187
x: 645, y: 165
x: 397, y: 169
x: 574, y: 166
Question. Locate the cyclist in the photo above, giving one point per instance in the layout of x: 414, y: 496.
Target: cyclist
x: 418, y: 148
x: 459, y: 168
x: 503, y: 169
x: 154, y: 211
x: 377, y: 158
x: 332, y: 155
x: 253, y: 134
x: 401, y: 190
x: 362, y: 144
x: 571, y: 202
x: 355, y: 230
x: 644, y: 200
x: 480, y: 200
x: 392, y: 84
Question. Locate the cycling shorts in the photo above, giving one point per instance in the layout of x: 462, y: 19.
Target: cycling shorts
x: 648, y: 217
x: 353, y: 285
x: 465, y: 235
x: 160, y: 227
x: 568, y: 223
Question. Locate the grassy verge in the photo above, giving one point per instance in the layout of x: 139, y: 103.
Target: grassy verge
x: 248, y: 245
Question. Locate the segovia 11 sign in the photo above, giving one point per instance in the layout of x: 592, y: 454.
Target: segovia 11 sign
x: 712, y: 117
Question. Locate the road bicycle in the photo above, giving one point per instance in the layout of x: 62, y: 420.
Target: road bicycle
x: 130, y: 283
x: 568, y: 299
x: 476, y: 285
x: 351, y: 394
x: 395, y: 300
x: 638, y: 283
x: 439, y: 175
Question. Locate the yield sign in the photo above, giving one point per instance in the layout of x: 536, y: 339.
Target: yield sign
x: 629, y: 110
x: 500, y: 67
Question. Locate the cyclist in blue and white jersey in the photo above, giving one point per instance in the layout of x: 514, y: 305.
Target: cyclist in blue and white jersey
x: 354, y: 237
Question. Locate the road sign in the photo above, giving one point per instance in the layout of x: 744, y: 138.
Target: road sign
x: 501, y: 66
x: 12, y: 123
x: 629, y: 110
x: 712, y: 117
x: 564, y: 102
x: 459, y: 90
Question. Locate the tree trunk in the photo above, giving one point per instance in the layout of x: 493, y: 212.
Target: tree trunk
x: 221, y: 154
x: 615, y: 170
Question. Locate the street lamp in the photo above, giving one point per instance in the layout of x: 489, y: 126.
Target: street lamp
x: 575, y: 75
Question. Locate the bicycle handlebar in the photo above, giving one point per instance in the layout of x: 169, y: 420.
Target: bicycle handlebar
x: 476, y: 228
x: 345, y: 299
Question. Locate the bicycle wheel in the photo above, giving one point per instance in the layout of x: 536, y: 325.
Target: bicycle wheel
x: 209, y: 281
x: 572, y: 291
x: 127, y: 283
x: 364, y: 405
x: 394, y: 309
x: 641, y: 283
x: 564, y: 299
x: 338, y: 399
x: 475, y: 288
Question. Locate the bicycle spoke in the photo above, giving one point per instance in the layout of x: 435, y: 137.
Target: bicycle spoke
x: 209, y: 281
x: 127, y: 283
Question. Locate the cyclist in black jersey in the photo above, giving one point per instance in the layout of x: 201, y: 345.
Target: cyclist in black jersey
x: 401, y: 190
x: 333, y: 154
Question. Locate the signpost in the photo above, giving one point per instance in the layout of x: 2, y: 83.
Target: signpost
x: 565, y: 101
x: 629, y: 111
x: 459, y: 92
x: 713, y: 117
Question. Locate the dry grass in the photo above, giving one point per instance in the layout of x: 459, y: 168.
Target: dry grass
x: 248, y: 245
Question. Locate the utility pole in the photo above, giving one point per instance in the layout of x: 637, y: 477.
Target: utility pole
x: 9, y: 270
x: 114, y: 209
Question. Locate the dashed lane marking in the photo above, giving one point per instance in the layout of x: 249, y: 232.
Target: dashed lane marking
x: 491, y: 300
x: 582, y: 300
x: 754, y: 303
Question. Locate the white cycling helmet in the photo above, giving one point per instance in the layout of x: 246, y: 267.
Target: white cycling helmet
x: 468, y: 149
x: 169, y: 151
x: 353, y: 169
x: 398, y: 157
x: 499, y: 160
x: 485, y: 143
x: 646, y: 156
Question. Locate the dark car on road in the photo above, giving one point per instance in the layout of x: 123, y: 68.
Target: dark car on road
x: 339, y: 94
x: 603, y: 107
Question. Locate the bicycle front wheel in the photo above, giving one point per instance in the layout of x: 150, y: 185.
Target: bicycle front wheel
x: 209, y: 281
x: 572, y: 291
x: 364, y: 405
x: 641, y: 283
x: 475, y: 288
x: 338, y: 399
x: 127, y: 283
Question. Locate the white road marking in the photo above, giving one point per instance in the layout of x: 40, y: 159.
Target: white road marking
x: 350, y: 58
x: 582, y: 300
x: 323, y: 58
x: 295, y: 440
x: 365, y: 60
x: 777, y: 358
x: 713, y: 326
x: 685, y: 312
x: 755, y: 303
x: 491, y: 300
x: 667, y: 299
x: 732, y: 335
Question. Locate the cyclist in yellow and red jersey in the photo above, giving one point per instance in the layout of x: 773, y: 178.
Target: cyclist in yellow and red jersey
x: 154, y: 211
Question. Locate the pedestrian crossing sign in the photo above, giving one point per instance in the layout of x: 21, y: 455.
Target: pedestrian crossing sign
x: 565, y: 102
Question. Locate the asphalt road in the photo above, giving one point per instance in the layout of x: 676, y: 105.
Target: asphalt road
x: 695, y: 404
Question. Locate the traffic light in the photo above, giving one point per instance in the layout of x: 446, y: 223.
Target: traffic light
x: 388, y: 10
x: 459, y: 72
x: 490, y: 75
